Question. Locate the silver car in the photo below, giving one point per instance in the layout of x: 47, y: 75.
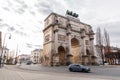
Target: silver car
x: 78, y: 68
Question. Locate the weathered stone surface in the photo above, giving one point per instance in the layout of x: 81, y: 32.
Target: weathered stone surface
x: 66, y: 40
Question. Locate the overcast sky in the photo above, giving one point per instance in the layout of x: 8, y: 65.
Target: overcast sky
x: 24, y: 19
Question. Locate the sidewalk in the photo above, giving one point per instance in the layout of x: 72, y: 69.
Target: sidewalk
x: 9, y: 75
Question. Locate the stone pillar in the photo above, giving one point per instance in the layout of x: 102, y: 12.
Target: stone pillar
x: 69, y: 54
x: 0, y: 39
x: 92, y: 59
x: 55, y: 48
x: 83, y: 47
x: 83, y: 43
x: 69, y: 43
x: 80, y: 52
x: 69, y: 38
x: 56, y: 39
x: 91, y: 47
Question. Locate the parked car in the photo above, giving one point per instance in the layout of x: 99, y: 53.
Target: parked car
x: 28, y: 62
x: 78, y: 68
x: 34, y: 62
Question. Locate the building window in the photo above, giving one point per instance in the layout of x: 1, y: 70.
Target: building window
x: 47, y: 38
x: 61, y: 37
x: 87, y: 42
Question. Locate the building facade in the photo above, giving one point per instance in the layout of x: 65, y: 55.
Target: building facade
x: 67, y: 40
x: 112, y: 56
x: 23, y: 58
x: 10, y: 57
x: 0, y: 39
x: 36, y: 56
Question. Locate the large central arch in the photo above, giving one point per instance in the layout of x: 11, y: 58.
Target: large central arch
x: 61, y: 53
x: 75, y: 49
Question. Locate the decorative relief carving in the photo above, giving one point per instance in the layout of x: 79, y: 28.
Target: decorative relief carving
x: 61, y: 37
x: 72, y: 36
x: 60, y: 20
x: 47, y: 21
x: 47, y: 38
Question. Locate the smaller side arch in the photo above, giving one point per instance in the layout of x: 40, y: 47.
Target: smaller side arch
x: 61, y: 55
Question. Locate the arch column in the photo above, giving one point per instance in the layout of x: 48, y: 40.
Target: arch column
x: 69, y: 44
x: 80, y: 50
x: 83, y: 43
x: 69, y: 53
x: 91, y: 47
x: 56, y: 38
x: 92, y: 58
x: 84, y: 56
x: 54, y: 52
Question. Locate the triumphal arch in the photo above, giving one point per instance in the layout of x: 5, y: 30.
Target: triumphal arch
x: 67, y: 40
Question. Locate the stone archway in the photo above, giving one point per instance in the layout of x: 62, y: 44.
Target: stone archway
x: 75, y: 49
x: 61, y: 54
x: 88, y: 58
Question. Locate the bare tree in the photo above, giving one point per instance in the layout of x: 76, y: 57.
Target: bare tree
x: 107, y: 47
x: 99, y: 43
x: 106, y: 41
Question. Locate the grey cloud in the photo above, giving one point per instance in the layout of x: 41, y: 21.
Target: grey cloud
x: 4, y: 25
x: 32, y: 12
x: 18, y: 7
x: 29, y: 45
x: 22, y: 4
x: 45, y: 11
x: 6, y: 8
x: 1, y: 19
x: 20, y: 33
x: 37, y: 45
x: 9, y: 3
x: 11, y: 29
x: 19, y: 10
x: 76, y: 4
x: 20, y: 26
x: 113, y: 28
x: 33, y: 45
x: 43, y: 7
x: 37, y: 31
x: 20, y: 1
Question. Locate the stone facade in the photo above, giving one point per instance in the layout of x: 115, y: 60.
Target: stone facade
x: 0, y: 39
x: 67, y: 40
x: 36, y: 56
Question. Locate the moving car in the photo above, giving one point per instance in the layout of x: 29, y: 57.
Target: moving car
x: 78, y: 68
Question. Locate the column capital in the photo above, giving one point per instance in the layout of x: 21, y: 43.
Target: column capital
x: 68, y: 33
x: 56, y: 30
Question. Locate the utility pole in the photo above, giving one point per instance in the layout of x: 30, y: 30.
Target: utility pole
x: 16, y: 54
x: 2, y: 53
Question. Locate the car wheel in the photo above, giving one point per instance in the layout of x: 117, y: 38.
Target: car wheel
x: 70, y: 69
x: 87, y: 71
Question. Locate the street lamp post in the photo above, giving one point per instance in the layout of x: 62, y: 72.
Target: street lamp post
x: 2, y: 57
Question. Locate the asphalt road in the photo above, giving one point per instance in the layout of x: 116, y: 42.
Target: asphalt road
x: 97, y: 72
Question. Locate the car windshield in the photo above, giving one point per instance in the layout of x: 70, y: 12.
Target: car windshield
x: 81, y: 65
